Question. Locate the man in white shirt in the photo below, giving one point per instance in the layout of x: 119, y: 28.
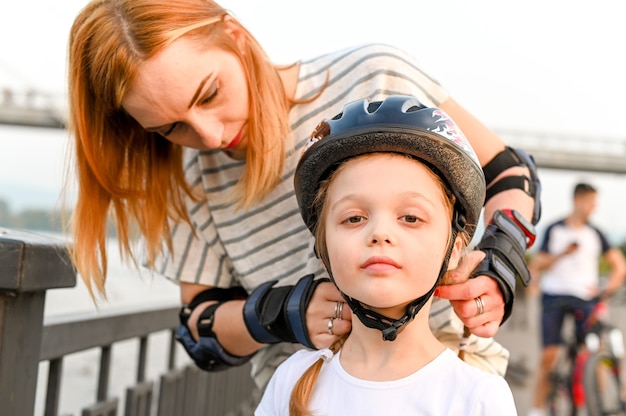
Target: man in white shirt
x: 568, y: 262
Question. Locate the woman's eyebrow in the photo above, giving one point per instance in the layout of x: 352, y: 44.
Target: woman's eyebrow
x: 191, y: 103
x: 199, y: 90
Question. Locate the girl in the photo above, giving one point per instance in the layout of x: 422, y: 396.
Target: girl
x: 392, y: 192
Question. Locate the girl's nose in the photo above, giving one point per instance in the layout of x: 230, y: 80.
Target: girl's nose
x: 380, y: 235
x: 380, y: 239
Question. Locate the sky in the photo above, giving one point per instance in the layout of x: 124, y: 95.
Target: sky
x: 517, y: 64
x: 550, y: 66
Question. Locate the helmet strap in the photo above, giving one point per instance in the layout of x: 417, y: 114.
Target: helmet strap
x: 390, y: 327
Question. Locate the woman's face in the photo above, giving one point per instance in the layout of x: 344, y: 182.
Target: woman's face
x: 387, y: 229
x: 193, y: 95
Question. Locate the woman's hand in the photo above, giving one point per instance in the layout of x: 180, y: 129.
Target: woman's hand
x: 328, y: 317
x: 467, y: 295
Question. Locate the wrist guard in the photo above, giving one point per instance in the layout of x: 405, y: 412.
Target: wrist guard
x: 504, y: 160
x: 504, y: 242
x: 207, y: 352
x: 278, y: 314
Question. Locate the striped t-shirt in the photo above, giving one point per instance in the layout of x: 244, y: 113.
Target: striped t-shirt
x: 269, y: 241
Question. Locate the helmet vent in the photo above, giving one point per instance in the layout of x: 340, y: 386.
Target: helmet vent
x: 413, y: 108
x: 373, y: 106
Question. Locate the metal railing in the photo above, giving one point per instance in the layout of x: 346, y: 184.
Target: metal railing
x: 552, y: 150
x: 32, y: 108
x: 31, y: 264
x: 571, y: 152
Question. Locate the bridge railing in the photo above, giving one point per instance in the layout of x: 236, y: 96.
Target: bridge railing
x: 32, y: 108
x: 31, y: 264
x: 571, y: 152
x: 550, y: 150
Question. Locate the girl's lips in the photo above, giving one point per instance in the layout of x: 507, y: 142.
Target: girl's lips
x: 235, y: 141
x: 380, y: 261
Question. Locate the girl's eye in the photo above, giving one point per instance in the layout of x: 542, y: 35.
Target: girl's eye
x: 411, y: 218
x: 355, y: 219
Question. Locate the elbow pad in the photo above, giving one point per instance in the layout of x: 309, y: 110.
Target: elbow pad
x: 505, y: 242
x: 207, y: 352
x: 504, y: 160
x: 278, y: 314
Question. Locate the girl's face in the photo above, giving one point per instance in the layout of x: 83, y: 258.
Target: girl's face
x: 387, y: 229
x: 193, y: 95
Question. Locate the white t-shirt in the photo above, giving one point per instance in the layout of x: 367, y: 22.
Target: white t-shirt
x: 445, y: 386
x: 576, y: 274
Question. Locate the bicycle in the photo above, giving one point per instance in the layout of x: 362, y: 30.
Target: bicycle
x: 602, y: 372
x: 588, y: 379
x: 561, y: 400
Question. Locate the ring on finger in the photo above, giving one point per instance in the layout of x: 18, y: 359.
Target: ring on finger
x: 330, y: 326
x: 480, y: 306
x: 339, y: 310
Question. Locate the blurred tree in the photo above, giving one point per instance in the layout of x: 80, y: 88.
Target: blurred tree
x: 5, y: 213
x: 37, y: 219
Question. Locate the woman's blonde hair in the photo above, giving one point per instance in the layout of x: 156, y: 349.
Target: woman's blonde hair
x: 303, y: 390
x: 136, y: 177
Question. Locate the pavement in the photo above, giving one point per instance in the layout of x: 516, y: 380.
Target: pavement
x: 520, y: 334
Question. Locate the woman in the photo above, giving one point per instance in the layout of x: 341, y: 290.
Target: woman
x: 186, y: 133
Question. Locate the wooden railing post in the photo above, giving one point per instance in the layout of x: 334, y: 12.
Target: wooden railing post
x: 30, y: 264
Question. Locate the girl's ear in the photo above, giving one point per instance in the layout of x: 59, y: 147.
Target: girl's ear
x: 232, y: 28
x: 457, y: 251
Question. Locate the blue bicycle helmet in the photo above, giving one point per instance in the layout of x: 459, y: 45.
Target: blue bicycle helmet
x: 398, y: 124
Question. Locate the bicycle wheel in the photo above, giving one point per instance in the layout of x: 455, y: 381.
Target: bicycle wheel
x: 560, y: 401
x: 603, y: 386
